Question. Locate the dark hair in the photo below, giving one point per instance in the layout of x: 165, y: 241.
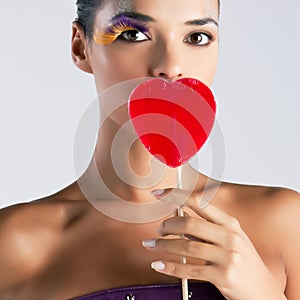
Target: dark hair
x: 86, y: 14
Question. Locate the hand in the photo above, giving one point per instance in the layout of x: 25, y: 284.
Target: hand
x: 232, y: 263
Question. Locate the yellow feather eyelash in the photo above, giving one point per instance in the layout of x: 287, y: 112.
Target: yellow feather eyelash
x: 106, y: 37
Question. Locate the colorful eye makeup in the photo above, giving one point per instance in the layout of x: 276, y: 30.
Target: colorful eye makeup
x: 119, y: 26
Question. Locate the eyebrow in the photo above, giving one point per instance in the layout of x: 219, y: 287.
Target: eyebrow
x: 133, y: 15
x: 202, y: 22
x: 144, y: 18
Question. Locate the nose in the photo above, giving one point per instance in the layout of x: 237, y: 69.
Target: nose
x: 166, y: 63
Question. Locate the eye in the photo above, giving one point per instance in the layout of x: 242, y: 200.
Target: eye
x: 198, y: 39
x: 133, y: 36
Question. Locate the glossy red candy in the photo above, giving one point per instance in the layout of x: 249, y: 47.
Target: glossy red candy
x: 173, y: 120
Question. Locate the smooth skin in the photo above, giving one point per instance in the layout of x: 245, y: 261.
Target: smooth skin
x: 246, y: 241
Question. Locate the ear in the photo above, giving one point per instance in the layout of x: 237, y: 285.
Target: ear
x: 79, y: 48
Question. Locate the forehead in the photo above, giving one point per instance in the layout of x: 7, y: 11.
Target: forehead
x: 174, y: 9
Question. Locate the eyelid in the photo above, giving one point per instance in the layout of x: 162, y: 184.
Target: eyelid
x: 114, y: 30
x: 134, y: 41
x: 209, y: 35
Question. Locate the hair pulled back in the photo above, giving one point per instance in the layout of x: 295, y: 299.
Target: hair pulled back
x: 86, y: 14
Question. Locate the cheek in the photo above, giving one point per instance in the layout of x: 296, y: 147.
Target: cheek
x: 203, y: 65
x: 113, y: 65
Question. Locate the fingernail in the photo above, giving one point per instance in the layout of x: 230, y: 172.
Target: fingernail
x: 149, y: 244
x: 158, y: 265
x: 157, y: 193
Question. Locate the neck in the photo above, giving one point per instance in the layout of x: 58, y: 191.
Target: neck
x: 126, y: 167
x: 127, y: 170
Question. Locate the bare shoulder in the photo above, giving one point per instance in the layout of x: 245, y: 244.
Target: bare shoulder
x: 271, y: 218
x: 279, y: 205
x: 273, y: 202
x: 28, y: 234
x: 265, y: 213
x: 285, y: 215
x: 280, y: 209
x: 284, y: 204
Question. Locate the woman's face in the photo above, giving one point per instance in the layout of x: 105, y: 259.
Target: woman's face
x: 151, y: 38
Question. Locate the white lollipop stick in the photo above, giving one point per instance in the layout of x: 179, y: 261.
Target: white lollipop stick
x: 180, y: 212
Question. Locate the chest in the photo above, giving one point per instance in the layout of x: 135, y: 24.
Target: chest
x: 91, y: 260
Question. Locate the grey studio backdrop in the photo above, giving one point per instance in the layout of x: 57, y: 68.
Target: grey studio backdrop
x: 43, y: 96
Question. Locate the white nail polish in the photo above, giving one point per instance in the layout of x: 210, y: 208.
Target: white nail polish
x: 149, y: 244
x: 157, y: 192
x: 158, y: 265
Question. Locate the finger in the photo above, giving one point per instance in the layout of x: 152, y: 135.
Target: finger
x: 210, y: 212
x: 195, y: 227
x: 208, y: 252
x: 185, y: 271
x: 170, y: 195
x: 231, y: 226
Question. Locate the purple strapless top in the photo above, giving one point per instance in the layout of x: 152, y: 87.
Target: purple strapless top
x: 197, y: 291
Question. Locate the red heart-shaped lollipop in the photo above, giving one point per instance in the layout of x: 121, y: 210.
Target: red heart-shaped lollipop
x: 173, y: 120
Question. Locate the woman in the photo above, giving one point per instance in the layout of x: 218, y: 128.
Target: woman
x: 245, y: 242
